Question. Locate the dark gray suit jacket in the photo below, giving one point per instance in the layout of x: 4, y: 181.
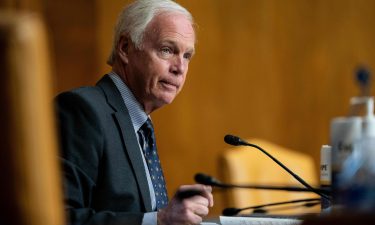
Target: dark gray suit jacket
x: 104, y: 176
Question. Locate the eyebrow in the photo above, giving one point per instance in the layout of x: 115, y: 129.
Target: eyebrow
x: 190, y: 50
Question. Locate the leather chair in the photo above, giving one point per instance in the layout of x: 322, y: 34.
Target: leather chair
x: 246, y: 165
x: 30, y: 189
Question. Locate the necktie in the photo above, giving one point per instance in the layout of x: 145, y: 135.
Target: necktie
x: 148, y: 144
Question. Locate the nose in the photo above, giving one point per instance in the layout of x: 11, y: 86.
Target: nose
x: 179, y: 65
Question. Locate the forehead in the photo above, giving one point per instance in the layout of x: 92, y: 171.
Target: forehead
x: 172, y: 26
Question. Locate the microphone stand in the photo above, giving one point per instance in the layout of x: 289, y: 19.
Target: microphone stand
x: 205, y: 179
x: 309, y: 202
x: 233, y: 140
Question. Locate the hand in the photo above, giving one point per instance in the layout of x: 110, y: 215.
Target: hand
x: 188, y: 206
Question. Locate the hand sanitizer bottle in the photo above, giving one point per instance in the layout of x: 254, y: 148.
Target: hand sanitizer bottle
x: 357, y: 178
x: 346, y: 132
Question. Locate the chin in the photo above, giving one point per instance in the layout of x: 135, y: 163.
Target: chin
x: 160, y: 99
x: 167, y: 99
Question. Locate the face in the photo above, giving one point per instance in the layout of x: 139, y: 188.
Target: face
x: 156, y: 72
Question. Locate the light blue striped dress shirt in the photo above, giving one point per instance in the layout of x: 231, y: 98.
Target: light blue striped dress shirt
x: 138, y: 118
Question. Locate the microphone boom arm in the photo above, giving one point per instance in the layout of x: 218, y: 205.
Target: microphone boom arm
x: 268, y: 187
x: 235, y: 211
x: 289, y: 171
x: 233, y: 140
x: 205, y: 179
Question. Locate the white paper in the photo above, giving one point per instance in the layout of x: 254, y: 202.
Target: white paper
x: 229, y: 220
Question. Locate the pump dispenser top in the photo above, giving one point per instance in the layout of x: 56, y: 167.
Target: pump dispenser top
x: 368, y: 119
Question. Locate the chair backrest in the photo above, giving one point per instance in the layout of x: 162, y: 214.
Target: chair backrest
x: 246, y: 165
x: 30, y: 189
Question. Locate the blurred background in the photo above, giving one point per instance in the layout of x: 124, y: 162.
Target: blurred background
x: 270, y: 69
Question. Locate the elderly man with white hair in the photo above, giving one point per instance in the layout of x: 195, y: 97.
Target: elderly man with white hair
x: 112, y: 172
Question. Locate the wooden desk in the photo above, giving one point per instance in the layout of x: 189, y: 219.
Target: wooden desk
x: 342, y: 219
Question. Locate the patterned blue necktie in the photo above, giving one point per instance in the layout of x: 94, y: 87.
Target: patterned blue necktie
x: 147, y: 141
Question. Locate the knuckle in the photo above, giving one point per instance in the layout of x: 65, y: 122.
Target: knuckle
x: 197, y: 220
x: 185, y: 203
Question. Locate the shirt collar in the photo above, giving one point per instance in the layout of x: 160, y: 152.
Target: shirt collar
x: 136, y: 111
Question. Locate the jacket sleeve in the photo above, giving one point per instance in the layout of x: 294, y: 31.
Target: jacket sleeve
x: 81, y: 147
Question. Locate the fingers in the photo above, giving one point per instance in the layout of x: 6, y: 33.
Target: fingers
x: 182, y: 212
x: 194, y: 209
x: 188, y: 206
x: 205, y: 191
x: 197, y: 205
x: 198, y: 202
x: 209, y: 195
x: 193, y: 212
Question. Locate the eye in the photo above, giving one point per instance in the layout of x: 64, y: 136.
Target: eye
x: 188, y: 56
x: 165, y: 51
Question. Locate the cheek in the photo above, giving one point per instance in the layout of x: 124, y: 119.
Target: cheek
x: 162, y: 67
x: 158, y: 70
x: 150, y: 74
x: 181, y: 84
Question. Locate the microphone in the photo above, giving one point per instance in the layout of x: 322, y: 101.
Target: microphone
x: 205, y: 179
x: 308, y: 202
x: 236, y: 141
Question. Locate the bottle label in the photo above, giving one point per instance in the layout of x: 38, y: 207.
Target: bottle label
x: 325, y: 165
x: 325, y: 173
x: 345, y: 135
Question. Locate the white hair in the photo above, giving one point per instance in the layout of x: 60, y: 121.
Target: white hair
x: 134, y: 19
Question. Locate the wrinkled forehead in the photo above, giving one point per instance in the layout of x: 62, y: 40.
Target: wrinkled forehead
x: 165, y: 23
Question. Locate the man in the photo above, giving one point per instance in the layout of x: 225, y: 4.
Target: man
x: 111, y: 169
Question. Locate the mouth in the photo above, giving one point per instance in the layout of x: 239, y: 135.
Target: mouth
x: 169, y: 85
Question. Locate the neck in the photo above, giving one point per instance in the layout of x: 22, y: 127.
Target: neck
x: 120, y: 71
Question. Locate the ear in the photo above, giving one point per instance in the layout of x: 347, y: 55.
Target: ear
x: 123, y: 49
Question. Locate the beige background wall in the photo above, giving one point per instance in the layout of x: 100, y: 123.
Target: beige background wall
x: 278, y: 70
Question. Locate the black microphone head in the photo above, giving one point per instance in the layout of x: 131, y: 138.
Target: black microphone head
x: 311, y: 204
x: 231, y: 211
x: 233, y: 140
x: 260, y: 211
x: 205, y: 179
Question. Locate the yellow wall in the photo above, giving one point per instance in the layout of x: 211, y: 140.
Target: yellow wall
x: 278, y: 70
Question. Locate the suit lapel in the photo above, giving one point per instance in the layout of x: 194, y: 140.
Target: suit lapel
x: 131, y: 142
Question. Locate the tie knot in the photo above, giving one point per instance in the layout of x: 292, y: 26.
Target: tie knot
x: 147, y: 137
x: 147, y: 127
